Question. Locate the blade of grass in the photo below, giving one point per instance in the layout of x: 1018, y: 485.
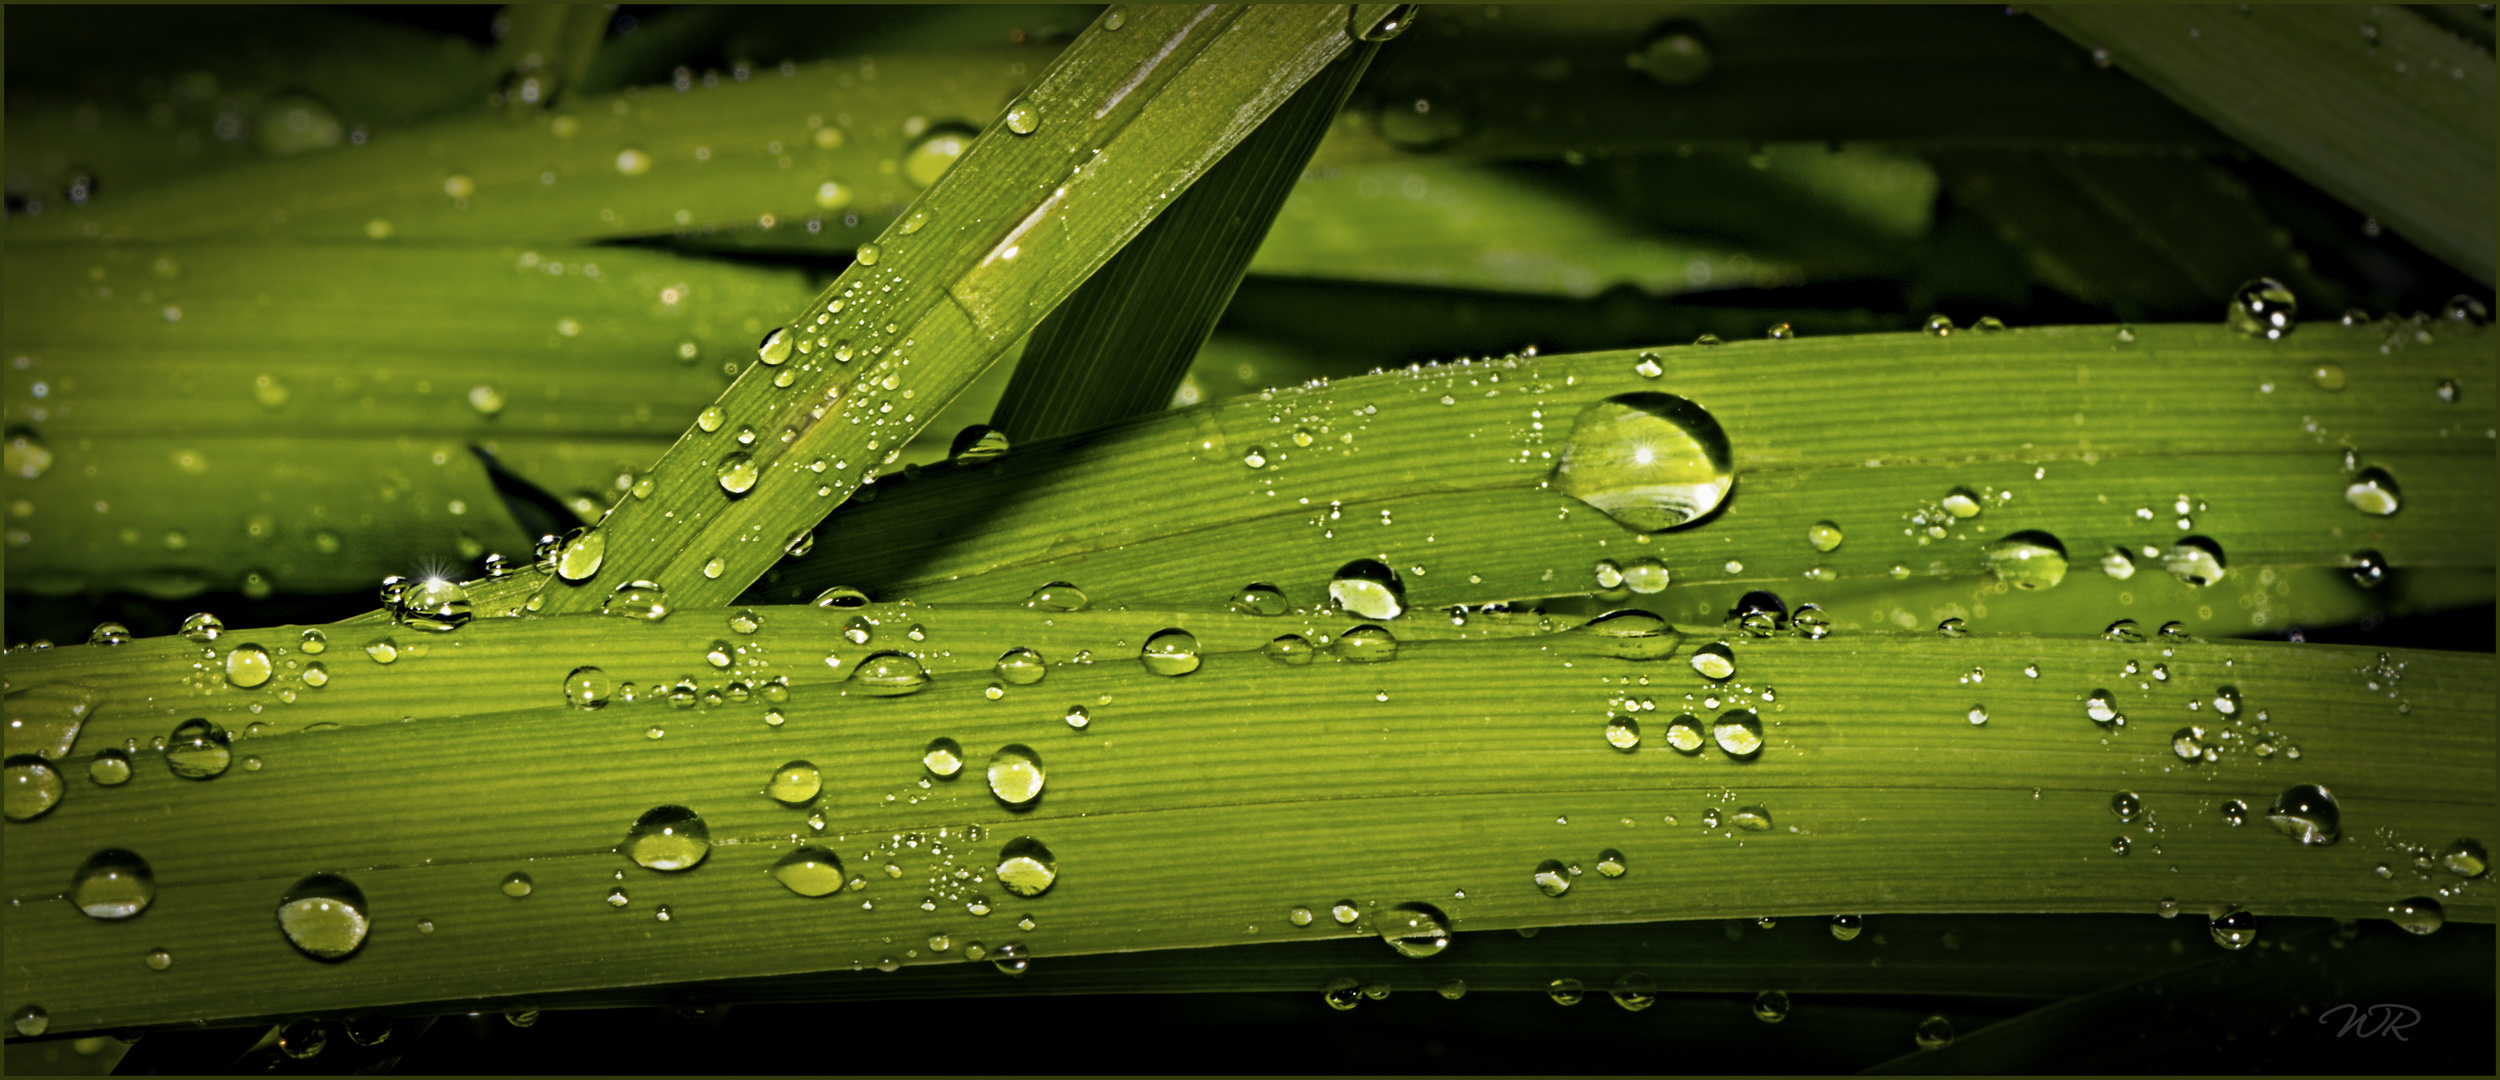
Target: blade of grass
x: 2374, y: 105
x: 1456, y: 458
x: 1119, y: 344
x: 308, y: 418
x: 1122, y: 123
x: 1875, y: 799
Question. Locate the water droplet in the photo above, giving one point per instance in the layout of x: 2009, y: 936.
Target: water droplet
x: 1023, y: 118
x: 384, y: 651
x: 775, y: 349
x: 1021, y: 667
x: 1389, y: 25
x: 2234, y: 929
x: 2419, y: 916
x: 2028, y: 560
x: 1259, y: 598
x: 1635, y: 992
x: 1978, y: 714
x: 1933, y: 1033
x: 109, y: 768
x: 924, y: 163
x: 516, y: 885
x: 2374, y: 492
x: 1645, y: 575
x: 943, y: 758
x: 1846, y: 927
x: 1649, y: 460
x: 1344, y: 912
x: 325, y: 916
x: 1823, y: 536
x: 1751, y: 818
x: 302, y: 1038
x: 1078, y: 717
x: 1368, y: 588
x: 2126, y: 804
x: 644, y: 600
x: 113, y: 884
x: 1714, y: 661
x: 1170, y: 652
x: 1011, y: 959
x: 795, y: 784
x: 2103, y: 709
x: 1552, y: 878
x: 198, y: 750
x: 1292, y: 650
x: 2196, y: 560
x: 1632, y: 634
x: 584, y: 549
x: 2327, y: 377
x: 2307, y: 813
x: 433, y: 605
x: 248, y: 666
x: 1781, y: 332
x: 2369, y: 568
x: 1057, y: 596
x: 889, y: 674
x: 1770, y: 1006
x: 1015, y: 776
x: 668, y: 838
x: 1685, y: 735
x: 160, y: 959
x: 1738, y: 732
x: 33, y: 787
x: 737, y: 473
x: 1342, y: 993
x: 1939, y: 326
x: 1962, y: 503
x: 2466, y: 858
x: 1026, y: 868
x: 1623, y: 733
x: 810, y: 871
x: 2263, y: 308
x: 1565, y: 991
x: 710, y: 419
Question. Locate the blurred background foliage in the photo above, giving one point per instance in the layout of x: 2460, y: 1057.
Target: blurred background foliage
x: 491, y: 320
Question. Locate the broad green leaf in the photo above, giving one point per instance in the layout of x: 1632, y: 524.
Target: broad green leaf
x: 1456, y: 767
x: 2377, y: 106
x: 1120, y: 344
x: 1120, y: 124
x: 1445, y: 473
x: 211, y: 412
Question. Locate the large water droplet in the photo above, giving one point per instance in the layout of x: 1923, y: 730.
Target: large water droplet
x: 775, y: 349
x: 1291, y: 650
x: 584, y: 549
x: 325, y: 916
x: 109, y: 768
x: 1342, y: 993
x: 32, y: 1020
x: 1368, y: 588
x: 1685, y: 735
x: 1823, y: 536
x: 1751, y: 818
x: 2374, y: 492
x: 2028, y: 560
x: 30, y: 786
x: 198, y: 750
x: 1057, y: 596
x: 1026, y: 867
x: 737, y: 472
x: 1015, y: 776
x: 1552, y: 878
x: 2196, y: 560
x: 2263, y: 308
x: 644, y: 600
x: 1414, y: 930
x: 2307, y: 813
x: 1714, y: 661
x: 1633, y: 634
x: 203, y: 627
x: 113, y: 884
x: 1365, y: 644
x: 434, y: 605
x: 1649, y: 460
x: 1023, y: 118
x: 248, y: 666
x: 1623, y: 733
x: 943, y: 757
x: 1847, y: 927
x: 1933, y: 1033
x: 978, y: 444
x: 587, y: 688
x: 1565, y: 991
x: 889, y: 674
x: 2234, y: 929
x: 1770, y: 1006
x: 516, y: 885
x: 795, y: 784
x: 1170, y: 652
x: 1021, y: 667
x: 668, y: 838
x: 2466, y: 858
x: 1645, y: 575
x: 2418, y: 916
x: 810, y: 871
x: 1260, y: 598
x: 1738, y: 732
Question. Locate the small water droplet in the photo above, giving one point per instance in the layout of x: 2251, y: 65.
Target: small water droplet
x: 1750, y: 818
x: 2419, y: 916
x: 889, y: 674
x: 109, y: 767
x: 2234, y: 929
x: 810, y: 871
x: 2327, y: 377
x: 1933, y: 1033
x: 2373, y: 492
x: 198, y: 749
x: 1738, y: 732
x: 644, y: 600
x: 795, y: 784
x: 1714, y: 661
x: 113, y: 884
x: 1847, y: 927
x: 737, y: 472
x: 1057, y: 596
x: 2196, y: 560
x: 1623, y: 733
x: 1770, y: 1006
x: 668, y: 838
x: 516, y: 885
x: 1023, y: 118
x: 2028, y: 560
